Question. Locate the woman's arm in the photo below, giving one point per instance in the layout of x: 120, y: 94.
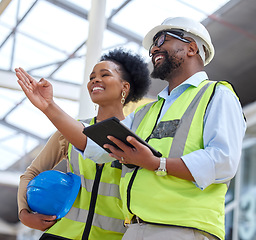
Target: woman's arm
x: 54, y: 151
x: 40, y: 95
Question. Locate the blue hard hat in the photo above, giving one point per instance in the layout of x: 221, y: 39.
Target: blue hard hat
x: 53, y: 192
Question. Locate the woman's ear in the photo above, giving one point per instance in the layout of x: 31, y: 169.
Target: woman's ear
x: 126, y: 87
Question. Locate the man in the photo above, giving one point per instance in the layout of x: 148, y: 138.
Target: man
x: 197, y: 125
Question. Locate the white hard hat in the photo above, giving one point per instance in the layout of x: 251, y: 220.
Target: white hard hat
x: 192, y: 29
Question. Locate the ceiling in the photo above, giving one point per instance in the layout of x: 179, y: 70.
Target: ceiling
x: 233, y: 32
x: 50, y: 52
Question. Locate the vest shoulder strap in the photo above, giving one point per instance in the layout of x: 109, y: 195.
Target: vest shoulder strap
x: 88, y: 120
x: 74, y: 154
x: 139, y: 115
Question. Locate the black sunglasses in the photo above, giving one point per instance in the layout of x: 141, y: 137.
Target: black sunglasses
x: 160, y: 37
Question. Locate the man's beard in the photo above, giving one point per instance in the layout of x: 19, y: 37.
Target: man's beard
x: 168, y: 66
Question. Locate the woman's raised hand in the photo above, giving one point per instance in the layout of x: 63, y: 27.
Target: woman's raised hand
x: 39, y: 93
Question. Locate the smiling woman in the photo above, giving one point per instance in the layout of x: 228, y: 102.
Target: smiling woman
x: 106, y: 86
x: 120, y: 77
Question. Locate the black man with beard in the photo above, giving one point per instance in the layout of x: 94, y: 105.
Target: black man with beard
x: 197, y: 125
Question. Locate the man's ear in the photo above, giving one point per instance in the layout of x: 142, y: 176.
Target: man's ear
x: 192, y: 49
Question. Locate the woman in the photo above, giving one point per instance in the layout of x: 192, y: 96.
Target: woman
x: 119, y: 77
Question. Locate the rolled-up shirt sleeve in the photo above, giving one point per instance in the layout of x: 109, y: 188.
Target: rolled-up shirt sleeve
x: 53, y: 152
x: 96, y: 153
x: 93, y: 151
x: 224, y: 129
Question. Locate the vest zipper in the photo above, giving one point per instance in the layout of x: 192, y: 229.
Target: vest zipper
x: 129, y: 188
x: 94, y: 195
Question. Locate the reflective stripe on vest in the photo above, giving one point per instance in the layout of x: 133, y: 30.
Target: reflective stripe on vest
x: 180, y: 137
x: 80, y: 215
x: 139, y: 115
x: 184, y: 121
x: 96, y: 213
x: 105, y: 189
x: 181, y: 133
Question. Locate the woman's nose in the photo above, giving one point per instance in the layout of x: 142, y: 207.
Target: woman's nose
x: 96, y: 79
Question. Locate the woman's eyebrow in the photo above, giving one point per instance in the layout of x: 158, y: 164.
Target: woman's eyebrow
x: 105, y: 70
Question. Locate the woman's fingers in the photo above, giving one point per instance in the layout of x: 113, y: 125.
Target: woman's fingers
x: 26, y: 79
x: 22, y: 80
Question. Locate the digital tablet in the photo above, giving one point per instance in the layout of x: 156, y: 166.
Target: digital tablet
x: 113, y: 127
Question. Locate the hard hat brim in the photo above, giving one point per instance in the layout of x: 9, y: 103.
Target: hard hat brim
x: 148, y: 39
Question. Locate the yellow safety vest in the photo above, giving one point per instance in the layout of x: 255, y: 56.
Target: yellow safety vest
x: 96, y: 213
x: 170, y: 200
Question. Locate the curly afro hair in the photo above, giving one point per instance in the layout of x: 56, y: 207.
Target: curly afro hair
x: 133, y: 69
